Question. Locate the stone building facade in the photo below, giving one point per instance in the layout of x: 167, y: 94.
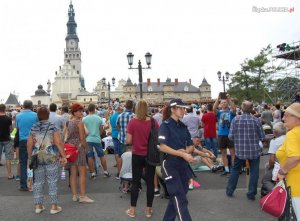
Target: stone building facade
x: 161, y: 92
x: 41, y: 97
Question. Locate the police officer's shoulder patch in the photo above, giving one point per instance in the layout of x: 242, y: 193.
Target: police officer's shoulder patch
x: 167, y: 121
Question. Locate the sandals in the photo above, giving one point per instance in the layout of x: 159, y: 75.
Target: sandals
x: 130, y: 213
x: 148, y: 213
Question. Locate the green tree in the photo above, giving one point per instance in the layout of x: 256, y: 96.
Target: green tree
x: 250, y: 81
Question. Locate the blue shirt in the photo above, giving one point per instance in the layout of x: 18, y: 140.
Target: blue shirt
x: 174, y: 134
x: 57, y: 120
x: 24, y: 122
x: 123, y: 121
x: 246, y: 131
x: 113, y: 123
x: 224, y: 119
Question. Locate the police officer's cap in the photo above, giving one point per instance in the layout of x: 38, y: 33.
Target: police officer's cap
x: 178, y: 103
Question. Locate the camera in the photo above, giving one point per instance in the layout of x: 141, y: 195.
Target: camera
x: 223, y: 95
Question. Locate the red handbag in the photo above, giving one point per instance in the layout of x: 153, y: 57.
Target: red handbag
x: 274, y: 202
x: 71, y: 152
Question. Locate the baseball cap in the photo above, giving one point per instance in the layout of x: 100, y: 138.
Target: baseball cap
x: 178, y: 103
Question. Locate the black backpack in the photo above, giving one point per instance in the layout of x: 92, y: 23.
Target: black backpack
x: 153, y: 155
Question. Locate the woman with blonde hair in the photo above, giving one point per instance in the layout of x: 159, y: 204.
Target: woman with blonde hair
x: 289, y: 154
x: 75, y: 134
x: 138, y: 132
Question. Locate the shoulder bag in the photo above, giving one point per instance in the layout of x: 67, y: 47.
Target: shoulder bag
x: 34, y: 158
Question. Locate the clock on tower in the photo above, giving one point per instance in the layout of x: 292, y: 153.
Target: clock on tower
x: 72, y: 43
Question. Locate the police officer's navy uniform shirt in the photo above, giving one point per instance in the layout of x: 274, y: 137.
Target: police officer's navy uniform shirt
x: 174, y: 134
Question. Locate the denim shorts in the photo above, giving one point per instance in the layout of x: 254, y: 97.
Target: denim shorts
x: 98, y: 148
x: 7, y: 146
x: 119, y: 148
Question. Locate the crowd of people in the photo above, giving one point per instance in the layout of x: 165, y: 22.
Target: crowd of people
x: 222, y: 136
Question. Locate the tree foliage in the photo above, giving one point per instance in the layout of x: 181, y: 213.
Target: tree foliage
x: 251, y: 82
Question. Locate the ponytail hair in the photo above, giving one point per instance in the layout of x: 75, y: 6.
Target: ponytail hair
x: 166, y: 112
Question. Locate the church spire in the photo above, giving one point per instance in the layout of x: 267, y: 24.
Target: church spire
x: 71, y: 25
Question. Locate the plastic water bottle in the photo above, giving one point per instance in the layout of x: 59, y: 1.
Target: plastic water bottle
x: 63, y: 174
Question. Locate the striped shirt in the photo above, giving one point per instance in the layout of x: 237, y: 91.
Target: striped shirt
x: 122, y: 121
x: 246, y: 131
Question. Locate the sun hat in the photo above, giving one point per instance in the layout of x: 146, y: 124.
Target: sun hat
x: 294, y: 109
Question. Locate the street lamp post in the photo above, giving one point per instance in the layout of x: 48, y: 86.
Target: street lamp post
x: 108, y: 87
x: 148, y: 57
x: 223, y: 78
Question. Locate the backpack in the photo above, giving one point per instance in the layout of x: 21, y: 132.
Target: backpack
x: 153, y: 154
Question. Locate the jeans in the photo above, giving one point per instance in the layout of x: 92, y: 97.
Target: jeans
x: 234, y: 176
x: 23, y: 157
x: 212, y: 144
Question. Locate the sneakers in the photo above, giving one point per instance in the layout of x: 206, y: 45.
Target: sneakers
x: 93, y: 176
x: 54, y: 211
x: 39, y: 210
x: 117, y: 176
x: 225, y: 174
x: 18, y: 178
x: 106, y: 174
x: 85, y: 199
x: 148, y: 213
x: 11, y: 177
x: 214, y: 169
x: 156, y: 193
x: 23, y: 189
x: 191, y: 186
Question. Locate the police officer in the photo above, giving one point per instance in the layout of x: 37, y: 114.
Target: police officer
x: 175, y: 141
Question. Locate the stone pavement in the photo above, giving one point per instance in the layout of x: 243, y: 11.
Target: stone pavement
x: 209, y: 202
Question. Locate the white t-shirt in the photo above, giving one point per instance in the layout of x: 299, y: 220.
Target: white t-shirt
x: 126, y: 170
x: 275, y: 144
x: 104, y: 122
x: 108, y: 142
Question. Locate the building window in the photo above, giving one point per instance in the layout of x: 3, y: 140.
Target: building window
x: 39, y: 102
x: 77, y: 55
x: 66, y: 56
x: 91, y: 99
x: 73, y: 55
x: 150, y: 88
x: 186, y: 88
x: 84, y: 99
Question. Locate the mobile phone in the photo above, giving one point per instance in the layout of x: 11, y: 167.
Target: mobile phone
x: 222, y: 95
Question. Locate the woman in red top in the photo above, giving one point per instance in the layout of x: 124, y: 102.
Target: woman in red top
x: 138, y: 131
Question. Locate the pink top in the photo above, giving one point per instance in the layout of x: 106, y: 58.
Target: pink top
x: 140, y: 130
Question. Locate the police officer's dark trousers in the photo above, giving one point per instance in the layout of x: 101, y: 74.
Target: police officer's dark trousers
x: 175, y: 173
